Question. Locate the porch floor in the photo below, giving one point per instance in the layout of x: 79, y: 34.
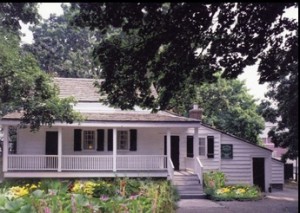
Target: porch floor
x: 84, y: 174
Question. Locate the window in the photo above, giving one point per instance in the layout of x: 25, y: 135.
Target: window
x: 122, y: 140
x: 202, y: 146
x: 89, y: 140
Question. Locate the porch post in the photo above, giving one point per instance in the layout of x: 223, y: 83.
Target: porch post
x: 168, y: 146
x: 114, y: 149
x: 5, y: 148
x: 59, y: 148
x: 196, y: 145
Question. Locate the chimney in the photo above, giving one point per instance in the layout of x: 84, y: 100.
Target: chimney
x: 196, y: 112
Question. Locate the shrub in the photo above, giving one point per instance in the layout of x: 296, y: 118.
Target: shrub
x: 215, y: 188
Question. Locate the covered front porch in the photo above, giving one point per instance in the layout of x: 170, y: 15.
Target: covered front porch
x: 151, y: 158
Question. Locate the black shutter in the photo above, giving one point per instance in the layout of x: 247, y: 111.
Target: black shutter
x: 100, y: 139
x: 110, y: 140
x: 77, y: 139
x: 210, y: 146
x: 190, y: 146
x: 133, y: 139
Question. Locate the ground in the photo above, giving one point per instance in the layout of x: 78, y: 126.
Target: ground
x: 285, y: 201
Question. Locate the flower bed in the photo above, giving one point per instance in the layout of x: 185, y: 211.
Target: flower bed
x: 215, y: 188
x: 116, y: 195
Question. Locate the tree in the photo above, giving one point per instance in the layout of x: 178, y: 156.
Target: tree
x: 24, y: 87
x: 64, y: 50
x: 11, y: 13
x: 228, y: 106
x: 167, y: 45
x: 283, y: 92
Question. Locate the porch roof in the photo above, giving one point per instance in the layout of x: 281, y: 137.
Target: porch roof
x: 119, y: 118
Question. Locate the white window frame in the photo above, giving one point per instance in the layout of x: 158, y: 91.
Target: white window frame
x: 83, y: 140
x: 119, y: 132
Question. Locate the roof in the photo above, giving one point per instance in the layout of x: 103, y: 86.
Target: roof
x: 82, y: 89
x: 123, y: 116
x: 226, y: 133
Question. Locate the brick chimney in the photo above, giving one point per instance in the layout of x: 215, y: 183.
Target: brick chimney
x: 196, y: 112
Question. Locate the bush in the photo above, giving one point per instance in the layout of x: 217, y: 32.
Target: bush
x: 215, y: 188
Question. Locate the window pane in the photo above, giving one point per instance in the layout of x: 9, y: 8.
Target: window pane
x: 122, y: 142
x: 202, y: 146
x: 88, y: 139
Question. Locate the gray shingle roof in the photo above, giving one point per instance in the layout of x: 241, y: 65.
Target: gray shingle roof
x: 82, y: 89
x: 126, y: 116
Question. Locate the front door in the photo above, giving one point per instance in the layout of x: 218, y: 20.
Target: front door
x: 51, y: 148
x: 174, y: 150
x: 258, y: 165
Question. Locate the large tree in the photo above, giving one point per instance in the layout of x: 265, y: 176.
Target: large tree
x: 23, y: 86
x: 169, y: 45
x: 283, y: 104
x: 228, y: 106
x: 64, y: 50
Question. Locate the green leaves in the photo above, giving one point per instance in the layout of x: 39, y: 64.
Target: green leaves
x: 228, y: 106
x: 24, y: 87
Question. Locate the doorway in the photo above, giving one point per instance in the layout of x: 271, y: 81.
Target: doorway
x: 258, y: 167
x: 51, y: 149
x: 174, y: 150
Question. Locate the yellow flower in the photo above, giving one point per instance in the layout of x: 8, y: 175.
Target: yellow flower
x: 18, y: 191
x: 33, y: 186
x: 240, y: 191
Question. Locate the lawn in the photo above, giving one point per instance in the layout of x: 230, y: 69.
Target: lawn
x: 88, y: 196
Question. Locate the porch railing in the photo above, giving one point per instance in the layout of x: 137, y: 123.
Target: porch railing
x: 170, y: 169
x: 199, y: 169
x: 141, y: 162
x: 32, y: 162
x: 86, y: 163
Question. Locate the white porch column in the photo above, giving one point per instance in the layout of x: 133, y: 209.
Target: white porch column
x: 5, y: 148
x: 168, y: 146
x: 196, y: 145
x: 59, y: 148
x: 114, y: 149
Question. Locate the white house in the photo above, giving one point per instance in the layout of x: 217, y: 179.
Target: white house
x: 136, y: 143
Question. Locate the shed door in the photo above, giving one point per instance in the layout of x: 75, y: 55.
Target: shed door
x: 258, y: 165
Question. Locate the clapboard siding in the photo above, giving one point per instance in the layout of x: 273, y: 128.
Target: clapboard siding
x: 277, y: 172
x: 239, y: 168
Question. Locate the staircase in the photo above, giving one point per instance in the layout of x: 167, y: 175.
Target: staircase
x: 188, y: 185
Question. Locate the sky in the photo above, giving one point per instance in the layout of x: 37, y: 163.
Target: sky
x: 250, y: 74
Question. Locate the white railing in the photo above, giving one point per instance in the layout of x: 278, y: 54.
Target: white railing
x: 199, y: 169
x: 141, y: 162
x: 190, y: 164
x: 32, y: 162
x: 87, y: 163
x: 170, y: 169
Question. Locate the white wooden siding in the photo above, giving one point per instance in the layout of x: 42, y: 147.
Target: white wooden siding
x: 277, y: 172
x: 239, y: 168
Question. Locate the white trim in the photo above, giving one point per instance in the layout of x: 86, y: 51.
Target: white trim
x: 84, y: 174
x: 114, y: 149
x: 59, y: 151
x: 5, y: 147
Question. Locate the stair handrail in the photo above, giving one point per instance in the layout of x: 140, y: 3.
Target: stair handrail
x: 170, y: 168
x: 199, y: 169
